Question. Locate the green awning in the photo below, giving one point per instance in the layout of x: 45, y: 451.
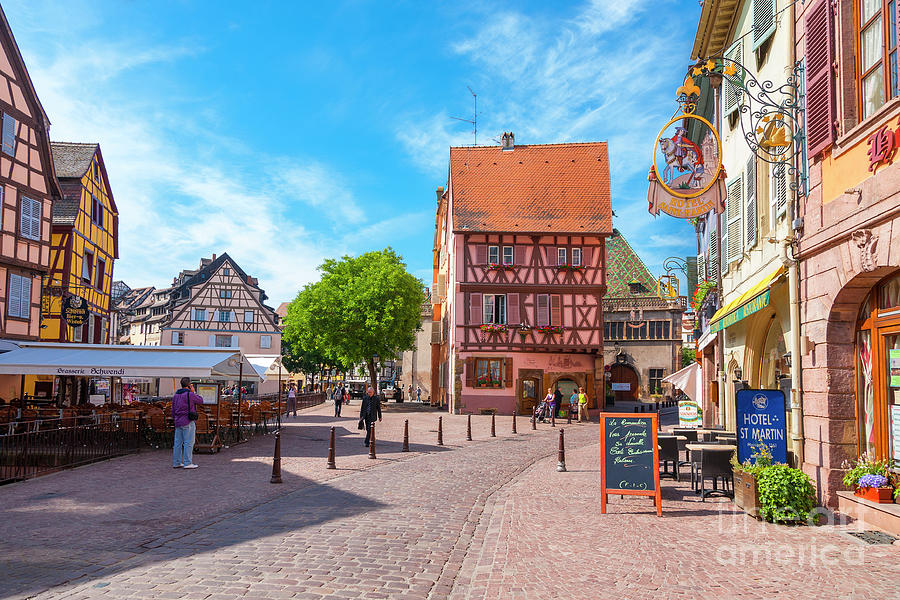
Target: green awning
x: 758, y: 303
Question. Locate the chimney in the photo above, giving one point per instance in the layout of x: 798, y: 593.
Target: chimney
x: 509, y: 140
x: 214, y: 256
x: 440, y: 193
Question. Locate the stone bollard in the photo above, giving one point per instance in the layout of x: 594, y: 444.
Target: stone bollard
x: 561, y: 455
x: 553, y: 417
x: 514, y: 421
x: 440, y: 431
x: 405, y: 436
x: 276, y: 461
x: 569, y: 416
x: 331, y: 464
x: 493, y: 426
x: 469, y: 428
x: 533, y: 423
x: 372, y: 443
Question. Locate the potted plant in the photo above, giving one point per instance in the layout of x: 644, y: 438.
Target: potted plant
x: 570, y: 267
x: 746, y: 492
x: 493, y: 328
x: 869, y: 479
x: 524, y: 330
x: 551, y: 329
x: 786, y: 495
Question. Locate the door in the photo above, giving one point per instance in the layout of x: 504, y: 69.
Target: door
x: 624, y: 382
x: 531, y: 387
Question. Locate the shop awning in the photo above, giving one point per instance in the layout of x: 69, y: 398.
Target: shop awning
x: 93, y: 360
x: 689, y: 380
x: 268, y: 366
x: 754, y: 299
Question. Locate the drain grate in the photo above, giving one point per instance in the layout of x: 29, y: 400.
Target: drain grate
x: 873, y: 537
x: 47, y: 496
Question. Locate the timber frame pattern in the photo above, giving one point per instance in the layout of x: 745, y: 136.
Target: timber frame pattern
x: 576, y: 294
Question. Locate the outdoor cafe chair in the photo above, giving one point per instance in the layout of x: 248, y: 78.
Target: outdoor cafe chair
x: 690, y: 434
x: 668, y: 453
x: 714, y: 464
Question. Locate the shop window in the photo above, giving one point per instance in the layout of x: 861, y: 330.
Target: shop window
x: 656, y: 377
x: 488, y: 372
x: 890, y: 294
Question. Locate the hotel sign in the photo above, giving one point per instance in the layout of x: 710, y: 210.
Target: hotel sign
x: 744, y: 310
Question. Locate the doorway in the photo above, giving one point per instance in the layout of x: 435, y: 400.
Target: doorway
x: 624, y: 382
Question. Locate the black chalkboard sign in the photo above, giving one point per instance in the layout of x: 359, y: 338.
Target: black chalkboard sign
x: 630, y: 456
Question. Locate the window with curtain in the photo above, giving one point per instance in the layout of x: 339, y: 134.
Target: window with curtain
x: 876, y: 39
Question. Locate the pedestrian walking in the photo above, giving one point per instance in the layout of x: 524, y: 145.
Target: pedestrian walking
x: 369, y: 411
x: 337, y: 394
x: 551, y: 402
x: 184, y: 415
x: 583, y: 406
x: 292, y: 400
x: 418, y: 393
x: 573, y: 404
x: 558, y: 399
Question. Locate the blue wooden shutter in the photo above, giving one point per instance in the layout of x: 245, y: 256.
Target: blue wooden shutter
x: 9, y: 135
x: 763, y: 21
x: 212, y: 341
x: 234, y: 341
x: 35, y: 219
x: 25, y: 217
x: 25, y: 299
x: 15, y: 294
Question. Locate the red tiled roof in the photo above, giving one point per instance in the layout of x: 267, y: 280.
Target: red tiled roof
x: 559, y: 188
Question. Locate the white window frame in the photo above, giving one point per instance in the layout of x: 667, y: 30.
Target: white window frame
x: 489, y: 309
x: 265, y: 341
x: 560, y: 256
x: 248, y: 316
x: 226, y: 271
x: 87, y: 265
x: 178, y: 338
x: 227, y: 337
x: 493, y: 255
x: 576, y: 257
x: 199, y: 314
x: 225, y: 294
x: 223, y: 319
x: 508, y: 255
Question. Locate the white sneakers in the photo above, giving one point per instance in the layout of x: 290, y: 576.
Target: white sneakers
x: 190, y: 466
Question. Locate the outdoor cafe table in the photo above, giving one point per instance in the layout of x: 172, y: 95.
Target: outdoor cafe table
x: 700, y: 447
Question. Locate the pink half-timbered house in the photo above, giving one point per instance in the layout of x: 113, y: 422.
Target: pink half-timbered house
x: 519, y: 273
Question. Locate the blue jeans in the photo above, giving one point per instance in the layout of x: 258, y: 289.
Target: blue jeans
x: 183, y: 449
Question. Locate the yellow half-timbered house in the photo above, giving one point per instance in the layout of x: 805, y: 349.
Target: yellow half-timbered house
x: 84, y: 245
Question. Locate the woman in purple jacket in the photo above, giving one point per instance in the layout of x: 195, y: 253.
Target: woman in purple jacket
x: 184, y: 402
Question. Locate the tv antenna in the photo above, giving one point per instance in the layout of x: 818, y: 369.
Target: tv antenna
x: 474, y: 119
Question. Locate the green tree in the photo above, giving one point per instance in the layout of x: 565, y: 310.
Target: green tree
x: 362, y: 307
x: 688, y: 355
x: 298, y: 359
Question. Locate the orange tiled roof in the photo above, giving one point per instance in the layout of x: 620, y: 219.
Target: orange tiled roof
x: 559, y: 188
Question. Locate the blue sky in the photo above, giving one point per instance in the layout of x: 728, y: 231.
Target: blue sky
x: 287, y: 132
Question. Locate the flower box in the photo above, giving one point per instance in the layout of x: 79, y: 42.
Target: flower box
x: 746, y: 494
x: 569, y: 267
x: 500, y: 267
x: 551, y: 329
x: 492, y: 328
x: 880, y: 495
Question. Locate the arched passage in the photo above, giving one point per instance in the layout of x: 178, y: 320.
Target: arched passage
x: 624, y: 382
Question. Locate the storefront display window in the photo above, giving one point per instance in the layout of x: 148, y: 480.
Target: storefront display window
x: 864, y: 392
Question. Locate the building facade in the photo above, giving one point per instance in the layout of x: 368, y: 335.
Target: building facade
x: 416, y: 363
x: 520, y: 273
x: 641, y: 327
x: 85, y: 245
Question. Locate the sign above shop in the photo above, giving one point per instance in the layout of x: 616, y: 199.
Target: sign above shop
x: 74, y: 310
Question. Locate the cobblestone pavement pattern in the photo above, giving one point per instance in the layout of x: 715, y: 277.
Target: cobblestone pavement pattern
x: 484, y: 519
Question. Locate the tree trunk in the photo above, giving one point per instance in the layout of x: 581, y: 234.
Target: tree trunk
x: 372, y: 378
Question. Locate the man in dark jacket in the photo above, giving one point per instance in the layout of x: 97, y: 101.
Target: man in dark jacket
x: 369, y: 411
x: 184, y: 402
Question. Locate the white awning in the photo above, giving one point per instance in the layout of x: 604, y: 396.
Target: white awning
x: 93, y: 360
x: 689, y: 381
x: 268, y: 366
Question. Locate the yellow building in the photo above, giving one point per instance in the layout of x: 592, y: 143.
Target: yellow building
x: 83, y: 247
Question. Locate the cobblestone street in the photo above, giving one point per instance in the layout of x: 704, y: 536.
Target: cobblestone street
x: 489, y: 518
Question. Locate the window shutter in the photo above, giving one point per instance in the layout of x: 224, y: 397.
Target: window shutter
x: 733, y: 211
x: 586, y: 256
x: 481, y: 257
x: 701, y: 271
x: 174, y: 338
x: 234, y: 341
x: 731, y: 94
x: 519, y: 253
x: 751, y: 201
x: 13, y: 302
x: 781, y: 192
x: 475, y: 309
x: 551, y: 256
x: 9, y: 135
x: 763, y: 21
x: 25, y: 217
x: 508, y: 376
x: 470, y: 372
x: 512, y: 309
x: 820, y: 97
x: 555, y: 309
x: 25, y: 299
x: 543, y: 310
x: 713, y: 264
x: 212, y: 341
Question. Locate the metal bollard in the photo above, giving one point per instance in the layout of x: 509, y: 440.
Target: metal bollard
x: 405, y: 436
x: 372, y: 442
x: 469, y: 428
x: 276, y: 461
x: 569, y: 416
x: 514, y: 421
x: 533, y: 423
x: 331, y: 464
x: 493, y: 426
x: 561, y: 455
x: 440, y: 431
x: 553, y: 417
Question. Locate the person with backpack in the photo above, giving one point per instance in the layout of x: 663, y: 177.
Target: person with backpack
x: 184, y: 414
x: 337, y: 394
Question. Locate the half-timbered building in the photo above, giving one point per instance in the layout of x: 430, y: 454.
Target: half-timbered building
x: 519, y: 273
x: 85, y: 245
x: 220, y: 305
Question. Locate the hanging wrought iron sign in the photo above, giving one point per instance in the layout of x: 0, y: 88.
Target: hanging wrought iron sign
x: 74, y: 310
x: 687, y: 179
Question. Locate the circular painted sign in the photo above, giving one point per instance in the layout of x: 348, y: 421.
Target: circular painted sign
x: 687, y: 156
x: 74, y: 310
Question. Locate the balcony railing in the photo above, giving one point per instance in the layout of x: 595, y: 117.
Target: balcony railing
x: 610, y: 304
